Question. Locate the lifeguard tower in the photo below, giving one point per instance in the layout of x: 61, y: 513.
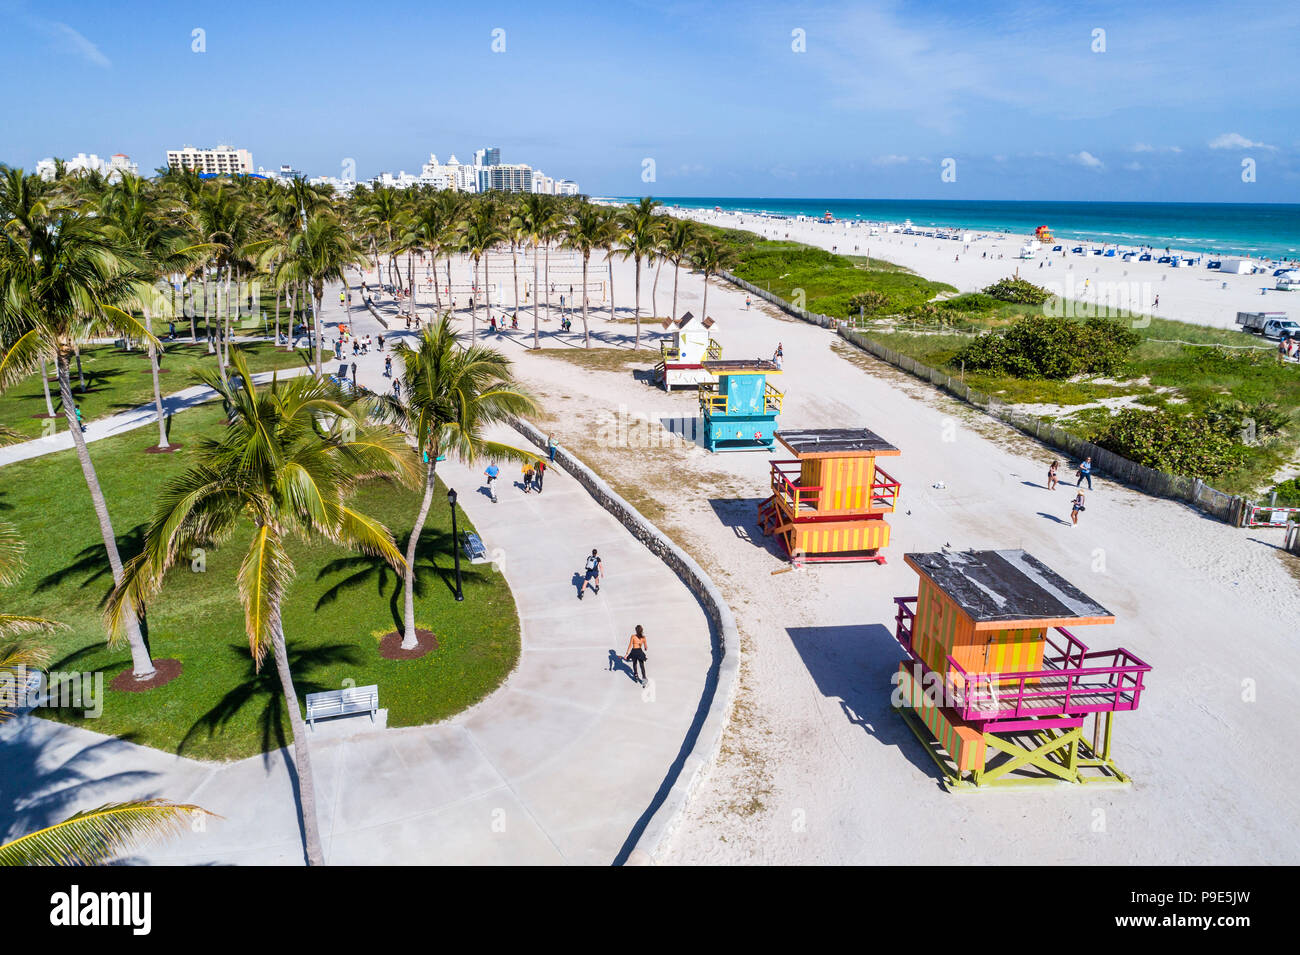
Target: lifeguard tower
x: 683, y: 357
x: 829, y: 503
x: 996, y: 699
x: 739, y: 406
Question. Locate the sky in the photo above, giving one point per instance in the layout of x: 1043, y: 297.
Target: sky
x: 863, y: 99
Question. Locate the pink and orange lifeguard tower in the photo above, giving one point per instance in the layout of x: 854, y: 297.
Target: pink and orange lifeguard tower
x: 829, y: 502
x: 997, y: 699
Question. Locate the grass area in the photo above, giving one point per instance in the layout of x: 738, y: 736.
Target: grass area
x: 118, y: 380
x: 825, y: 281
x: 603, y: 359
x: 337, y: 608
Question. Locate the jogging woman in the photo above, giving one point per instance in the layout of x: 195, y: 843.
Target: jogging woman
x: 636, y: 654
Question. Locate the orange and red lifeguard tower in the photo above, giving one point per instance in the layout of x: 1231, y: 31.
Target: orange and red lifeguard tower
x: 997, y: 700
x: 829, y: 503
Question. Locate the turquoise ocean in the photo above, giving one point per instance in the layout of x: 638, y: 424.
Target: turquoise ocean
x: 1268, y: 231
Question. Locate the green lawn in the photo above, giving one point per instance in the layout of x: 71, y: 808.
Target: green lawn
x: 337, y: 608
x: 118, y: 380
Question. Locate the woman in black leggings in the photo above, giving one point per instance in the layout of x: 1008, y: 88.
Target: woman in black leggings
x: 636, y: 654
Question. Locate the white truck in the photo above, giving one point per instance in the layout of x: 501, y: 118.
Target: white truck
x: 1268, y: 324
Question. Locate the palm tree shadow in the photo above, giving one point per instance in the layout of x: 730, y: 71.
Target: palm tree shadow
x: 262, y: 688
x: 91, y: 562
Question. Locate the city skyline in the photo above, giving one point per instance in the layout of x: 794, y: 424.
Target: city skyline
x: 863, y: 100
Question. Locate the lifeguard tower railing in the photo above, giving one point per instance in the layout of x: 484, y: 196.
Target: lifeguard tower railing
x: 668, y: 352
x: 1073, y: 681
x: 713, y: 403
x: 802, y: 498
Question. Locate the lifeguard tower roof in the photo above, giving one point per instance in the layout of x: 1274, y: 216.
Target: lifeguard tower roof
x: 742, y: 366
x: 995, y: 586
x: 835, y: 442
x: 685, y: 320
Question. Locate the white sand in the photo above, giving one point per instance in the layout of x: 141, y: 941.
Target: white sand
x: 816, y: 767
x: 1190, y: 294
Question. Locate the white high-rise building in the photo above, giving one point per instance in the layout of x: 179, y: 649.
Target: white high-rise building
x: 111, y: 168
x: 566, y: 187
x: 222, y: 161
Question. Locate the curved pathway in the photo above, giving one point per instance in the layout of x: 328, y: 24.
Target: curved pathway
x: 559, y: 765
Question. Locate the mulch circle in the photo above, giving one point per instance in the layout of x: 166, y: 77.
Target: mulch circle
x: 164, y: 672
x: 390, y: 645
x: 170, y: 449
x: 46, y: 416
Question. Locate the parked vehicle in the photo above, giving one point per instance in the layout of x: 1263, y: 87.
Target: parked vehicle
x: 1268, y: 324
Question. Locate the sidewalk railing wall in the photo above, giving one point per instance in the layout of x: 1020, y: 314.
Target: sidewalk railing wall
x: 1219, y: 504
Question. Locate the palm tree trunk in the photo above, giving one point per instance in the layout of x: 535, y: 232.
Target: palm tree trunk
x: 319, y: 338
x: 637, y: 310
x: 410, y: 280
x: 448, y: 275
x: 704, y: 306
x: 610, y: 260
x: 45, y: 383
x: 141, y: 665
x: 194, y: 316
x: 81, y: 375
x: 487, y: 288
x: 437, y: 289
x: 537, y: 293
x: 409, y: 639
x: 514, y: 265
x: 157, y: 389
x: 677, y: 268
x: 279, y: 294
x: 301, y: 750
x: 207, y: 325
x: 654, y: 290
x: 473, y: 306
x: 586, y: 337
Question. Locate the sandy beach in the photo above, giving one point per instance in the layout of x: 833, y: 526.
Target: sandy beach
x: 815, y: 767
x: 1190, y: 294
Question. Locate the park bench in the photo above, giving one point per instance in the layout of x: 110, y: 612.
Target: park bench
x: 344, y: 702
x: 474, y: 549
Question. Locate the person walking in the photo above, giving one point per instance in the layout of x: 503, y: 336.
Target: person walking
x: 538, y: 471
x: 636, y: 647
x: 551, y: 446
x: 1085, y: 473
x: 594, y: 573
x: 779, y: 355
x: 528, y: 476
x: 388, y: 366
x: 1051, y: 475
x: 491, y: 474
x: 1076, y: 507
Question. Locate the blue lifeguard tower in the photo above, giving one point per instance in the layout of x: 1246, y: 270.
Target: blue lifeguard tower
x: 738, y: 405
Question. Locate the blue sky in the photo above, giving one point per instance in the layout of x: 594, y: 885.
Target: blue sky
x: 715, y: 94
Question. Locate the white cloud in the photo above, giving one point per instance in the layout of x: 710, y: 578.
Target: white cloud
x: 891, y: 160
x: 1236, y: 141
x: 1148, y: 148
x: 1133, y: 166
x: 1087, y: 160
x: 70, y: 41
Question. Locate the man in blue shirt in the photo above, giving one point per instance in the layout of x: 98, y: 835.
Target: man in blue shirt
x: 1085, y: 473
x: 491, y: 474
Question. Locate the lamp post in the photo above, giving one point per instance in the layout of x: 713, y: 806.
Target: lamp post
x: 455, y: 540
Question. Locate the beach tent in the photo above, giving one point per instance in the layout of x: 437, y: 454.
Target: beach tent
x: 1237, y: 266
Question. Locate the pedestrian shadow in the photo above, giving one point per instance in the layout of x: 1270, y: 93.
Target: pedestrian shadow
x: 576, y: 581
x: 618, y: 664
x: 1053, y: 517
x: 1034, y: 484
x: 855, y: 664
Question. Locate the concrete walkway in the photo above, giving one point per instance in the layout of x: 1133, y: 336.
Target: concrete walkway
x: 559, y: 765
x: 113, y: 425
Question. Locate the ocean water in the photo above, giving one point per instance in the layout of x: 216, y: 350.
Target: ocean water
x: 1257, y: 230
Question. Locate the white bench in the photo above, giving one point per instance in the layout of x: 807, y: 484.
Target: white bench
x: 344, y: 702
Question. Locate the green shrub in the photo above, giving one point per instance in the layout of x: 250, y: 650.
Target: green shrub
x: 1175, y: 443
x: 971, y: 302
x: 1042, y: 346
x: 1288, y: 493
x: 1018, y: 292
x: 870, y: 302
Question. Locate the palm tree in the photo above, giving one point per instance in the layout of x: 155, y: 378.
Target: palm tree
x: 150, y: 224
x: 611, y: 239
x: 677, y: 243
x: 537, y: 215
x: 452, y: 395
x: 640, y: 239
x: 289, y: 462
x: 586, y: 231
x: 65, y: 279
x: 479, y: 234
x: 710, y: 256
x: 320, y: 253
